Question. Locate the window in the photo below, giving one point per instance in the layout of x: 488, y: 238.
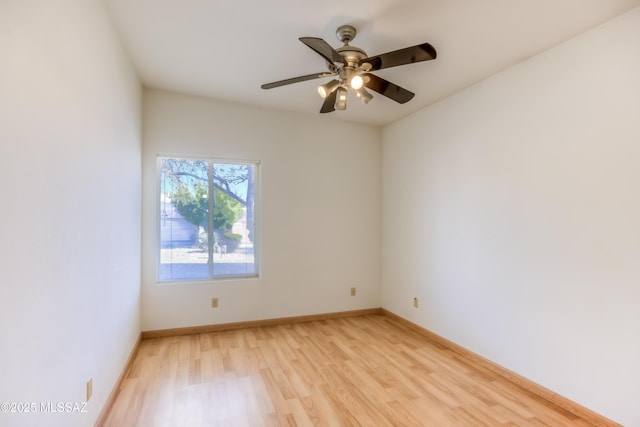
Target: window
x: 207, y: 219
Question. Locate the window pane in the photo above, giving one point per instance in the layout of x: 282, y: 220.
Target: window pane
x: 233, y: 219
x: 203, y: 237
x: 184, y: 208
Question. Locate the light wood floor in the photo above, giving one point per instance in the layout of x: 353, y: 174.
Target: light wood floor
x: 365, y: 370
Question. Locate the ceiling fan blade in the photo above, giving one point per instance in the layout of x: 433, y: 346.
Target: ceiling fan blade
x: 329, y: 103
x: 322, y: 48
x: 297, y: 79
x: 408, y: 55
x: 388, y: 89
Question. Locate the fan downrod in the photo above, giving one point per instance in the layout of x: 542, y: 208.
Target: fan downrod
x: 346, y: 33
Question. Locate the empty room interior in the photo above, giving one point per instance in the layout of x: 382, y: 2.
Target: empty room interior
x: 192, y: 236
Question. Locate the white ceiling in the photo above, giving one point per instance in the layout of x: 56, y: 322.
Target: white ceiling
x: 227, y: 49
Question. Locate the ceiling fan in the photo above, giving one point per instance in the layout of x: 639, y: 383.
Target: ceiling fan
x: 352, y: 66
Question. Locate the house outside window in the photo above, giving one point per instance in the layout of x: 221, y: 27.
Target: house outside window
x: 207, y: 219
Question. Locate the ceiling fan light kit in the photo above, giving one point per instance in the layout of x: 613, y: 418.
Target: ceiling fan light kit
x: 352, y: 66
x: 327, y: 88
x: 356, y: 82
x: 341, y: 102
x: 364, y: 95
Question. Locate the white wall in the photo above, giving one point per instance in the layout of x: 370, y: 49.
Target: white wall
x: 320, y: 211
x: 70, y: 207
x: 511, y: 210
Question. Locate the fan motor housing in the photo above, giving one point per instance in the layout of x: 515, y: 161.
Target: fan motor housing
x: 351, y: 54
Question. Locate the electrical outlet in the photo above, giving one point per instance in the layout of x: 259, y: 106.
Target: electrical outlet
x: 214, y: 302
x: 353, y: 292
x: 89, y: 389
x: 415, y: 302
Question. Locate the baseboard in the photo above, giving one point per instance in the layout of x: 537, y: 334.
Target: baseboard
x: 116, y: 388
x: 522, y: 382
x: 159, y: 333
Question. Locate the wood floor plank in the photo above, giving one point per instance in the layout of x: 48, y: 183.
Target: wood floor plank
x: 364, y: 370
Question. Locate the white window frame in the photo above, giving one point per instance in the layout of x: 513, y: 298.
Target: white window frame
x: 257, y: 213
